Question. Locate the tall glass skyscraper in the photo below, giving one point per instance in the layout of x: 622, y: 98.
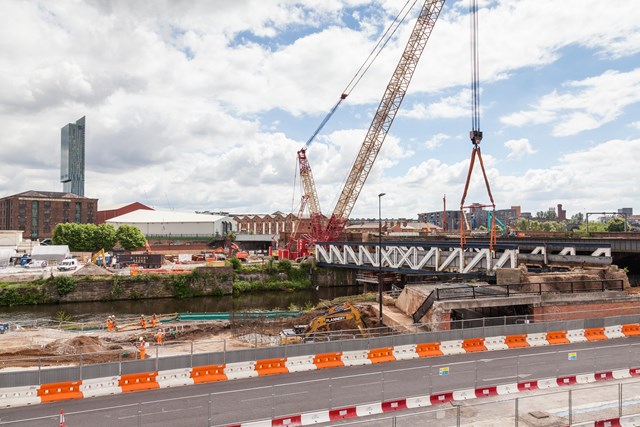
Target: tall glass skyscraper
x: 72, y: 162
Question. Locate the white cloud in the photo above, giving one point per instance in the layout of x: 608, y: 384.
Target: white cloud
x: 635, y: 125
x: 519, y: 148
x: 190, y: 103
x: 436, y: 141
x: 586, y: 104
x: 448, y: 107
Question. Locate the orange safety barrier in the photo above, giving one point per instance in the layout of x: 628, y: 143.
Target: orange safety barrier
x: 381, y: 355
x: 208, y: 374
x: 631, y: 329
x: 271, y: 366
x: 328, y: 360
x: 516, y: 341
x: 429, y: 349
x: 138, y: 382
x: 595, y: 334
x: 60, y: 391
x: 557, y: 337
x: 473, y: 345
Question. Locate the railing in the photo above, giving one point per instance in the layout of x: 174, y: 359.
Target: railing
x: 424, y: 307
x: 179, y: 355
x: 573, y: 405
x: 519, y: 289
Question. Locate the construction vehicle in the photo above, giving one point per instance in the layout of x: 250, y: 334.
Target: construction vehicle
x: 329, y: 230
x: 101, y: 258
x: 498, y: 223
x: 335, y: 315
x: 231, y: 250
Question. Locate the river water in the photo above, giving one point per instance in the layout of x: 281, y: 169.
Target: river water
x: 92, y: 311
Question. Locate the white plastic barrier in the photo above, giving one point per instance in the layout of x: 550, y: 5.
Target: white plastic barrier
x: 355, y: 358
x: 630, y: 421
x: 19, y: 396
x: 547, y: 383
x: 537, y: 339
x: 369, y: 409
x: 621, y: 374
x: 418, y: 402
x: 614, y: 332
x: 576, y: 335
x: 315, y: 418
x: 585, y: 378
x: 464, y: 394
x: 239, y: 370
x: 300, y: 364
x: 507, y: 389
x: 96, y: 387
x: 496, y: 343
x: 405, y: 352
x: 174, y: 378
x: 451, y: 347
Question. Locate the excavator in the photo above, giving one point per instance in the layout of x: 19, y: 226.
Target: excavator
x: 336, y: 314
x: 232, y: 250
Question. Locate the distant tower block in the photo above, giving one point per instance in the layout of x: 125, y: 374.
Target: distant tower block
x: 72, y: 161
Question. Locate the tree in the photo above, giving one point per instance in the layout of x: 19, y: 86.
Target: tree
x: 577, y: 219
x: 615, y: 224
x: 130, y: 237
x: 85, y: 237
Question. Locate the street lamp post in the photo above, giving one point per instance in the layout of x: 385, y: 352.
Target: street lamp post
x: 380, y: 254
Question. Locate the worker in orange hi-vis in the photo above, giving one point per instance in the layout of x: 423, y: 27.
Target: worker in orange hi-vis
x: 154, y: 320
x: 143, y: 322
x: 160, y: 336
x: 109, y: 324
x: 142, y: 347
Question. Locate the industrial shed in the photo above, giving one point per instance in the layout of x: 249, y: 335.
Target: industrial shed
x: 176, y: 224
x: 50, y: 253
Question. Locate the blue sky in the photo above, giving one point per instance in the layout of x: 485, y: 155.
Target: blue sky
x: 201, y: 105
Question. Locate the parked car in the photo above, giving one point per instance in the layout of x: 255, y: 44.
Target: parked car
x: 68, y: 264
x: 36, y: 264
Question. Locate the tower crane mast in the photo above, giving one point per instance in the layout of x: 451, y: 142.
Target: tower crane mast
x: 383, y: 118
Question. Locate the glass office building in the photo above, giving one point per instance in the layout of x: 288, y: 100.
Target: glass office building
x: 72, y: 161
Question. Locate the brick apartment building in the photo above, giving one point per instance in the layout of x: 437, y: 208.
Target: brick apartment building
x: 37, y: 213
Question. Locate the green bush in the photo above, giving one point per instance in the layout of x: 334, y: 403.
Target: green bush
x: 235, y: 263
x: 285, y: 265
x: 11, y: 295
x: 64, y: 285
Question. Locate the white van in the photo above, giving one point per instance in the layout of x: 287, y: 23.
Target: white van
x: 68, y: 264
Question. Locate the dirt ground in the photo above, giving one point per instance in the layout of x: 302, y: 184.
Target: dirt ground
x: 24, y: 347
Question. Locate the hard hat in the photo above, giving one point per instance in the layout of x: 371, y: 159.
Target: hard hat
x: 141, y: 339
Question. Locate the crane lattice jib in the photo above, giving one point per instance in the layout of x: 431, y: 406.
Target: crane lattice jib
x: 383, y: 118
x: 309, y: 190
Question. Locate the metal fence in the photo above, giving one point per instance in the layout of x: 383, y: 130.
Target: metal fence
x: 177, y: 355
x: 572, y: 406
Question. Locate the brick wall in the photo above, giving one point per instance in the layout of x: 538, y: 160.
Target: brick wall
x: 584, y: 311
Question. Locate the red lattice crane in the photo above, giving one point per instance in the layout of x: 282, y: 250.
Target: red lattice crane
x: 382, y: 120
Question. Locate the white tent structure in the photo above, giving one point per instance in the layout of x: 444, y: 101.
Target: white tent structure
x: 176, y: 224
x: 5, y: 256
x: 50, y: 253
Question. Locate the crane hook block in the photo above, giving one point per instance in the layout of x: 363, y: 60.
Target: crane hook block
x: 476, y: 136
x: 344, y: 96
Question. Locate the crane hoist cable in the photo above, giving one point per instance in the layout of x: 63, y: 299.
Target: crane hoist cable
x: 373, y: 55
x: 476, y: 134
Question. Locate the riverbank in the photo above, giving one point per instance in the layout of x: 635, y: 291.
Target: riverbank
x: 197, y: 282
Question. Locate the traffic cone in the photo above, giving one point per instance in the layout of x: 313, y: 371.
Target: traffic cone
x: 62, y: 421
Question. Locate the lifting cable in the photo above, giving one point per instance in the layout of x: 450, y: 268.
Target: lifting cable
x: 373, y: 55
x: 476, y: 133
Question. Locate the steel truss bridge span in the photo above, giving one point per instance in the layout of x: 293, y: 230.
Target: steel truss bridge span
x: 439, y: 257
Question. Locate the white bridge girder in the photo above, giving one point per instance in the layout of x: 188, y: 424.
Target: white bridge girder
x: 449, y: 259
x: 417, y: 257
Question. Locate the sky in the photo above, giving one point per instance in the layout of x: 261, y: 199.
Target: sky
x: 202, y: 105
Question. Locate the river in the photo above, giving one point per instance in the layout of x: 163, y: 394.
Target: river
x: 92, y: 311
